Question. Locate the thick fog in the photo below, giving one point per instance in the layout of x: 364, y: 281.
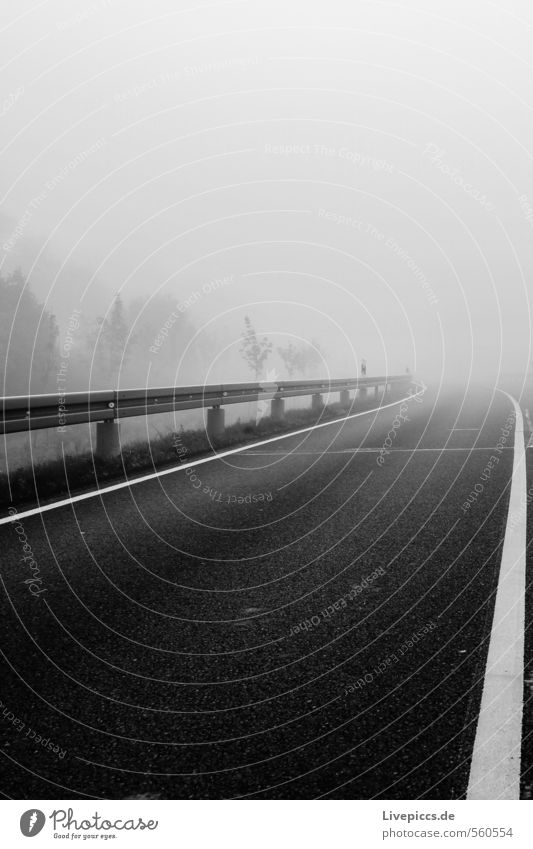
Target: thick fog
x: 355, y: 177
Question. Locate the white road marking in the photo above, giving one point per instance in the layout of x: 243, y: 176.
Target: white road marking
x: 466, y: 428
x: 373, y: 451
x: 495, y: 768
x: 74, y: 499
x: 529, y: 427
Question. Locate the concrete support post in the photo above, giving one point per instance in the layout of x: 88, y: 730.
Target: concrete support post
x: 277, y: 409
x: 107, y: 440
x: 344, y: 398
x: 376, y: 391
x: 215, y: 422
x: 362, y: 393
x: 316, y: 402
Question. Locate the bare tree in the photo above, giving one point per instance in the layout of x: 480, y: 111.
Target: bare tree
x: 28, y: 339
x: 301, y: 358
x: 255, y: 352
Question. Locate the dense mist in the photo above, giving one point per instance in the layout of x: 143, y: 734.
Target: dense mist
x: 352, y: 177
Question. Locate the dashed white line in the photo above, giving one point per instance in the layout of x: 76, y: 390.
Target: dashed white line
x: 495, y: 768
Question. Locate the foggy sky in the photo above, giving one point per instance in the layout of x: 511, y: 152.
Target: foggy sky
x: 364, y: 170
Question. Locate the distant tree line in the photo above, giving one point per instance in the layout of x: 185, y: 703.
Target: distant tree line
x: 112, y: 350
x: 106, y: 351
x: 28, y: 339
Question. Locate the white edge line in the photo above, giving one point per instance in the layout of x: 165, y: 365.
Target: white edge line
x: 495, y: 767
x: 182, y: 466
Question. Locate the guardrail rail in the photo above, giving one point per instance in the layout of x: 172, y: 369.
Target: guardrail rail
x: 22, y: 413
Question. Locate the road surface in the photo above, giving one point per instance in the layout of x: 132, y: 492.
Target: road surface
x: 307, y: 618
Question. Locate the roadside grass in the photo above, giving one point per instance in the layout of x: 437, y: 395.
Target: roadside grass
x: 49, y: 480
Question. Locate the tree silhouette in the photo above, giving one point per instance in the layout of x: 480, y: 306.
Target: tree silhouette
x: 289, y: 355
x: 108, y: 342
x: 301, y: 358
x: 28, y: 339
x: 255, y: 352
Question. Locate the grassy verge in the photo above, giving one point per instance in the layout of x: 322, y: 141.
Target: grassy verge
x: 78, y: 473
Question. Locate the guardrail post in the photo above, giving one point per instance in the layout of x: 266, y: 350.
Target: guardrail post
x: 317, y: 402
x: 107, y: 439
x: 277, y: 409
x: 215, y: 422
x: 344, y: 398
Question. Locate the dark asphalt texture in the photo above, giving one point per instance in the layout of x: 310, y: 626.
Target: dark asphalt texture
x: 164, y: 657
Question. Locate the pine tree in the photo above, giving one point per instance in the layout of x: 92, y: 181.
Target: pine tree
x: 109, y: 345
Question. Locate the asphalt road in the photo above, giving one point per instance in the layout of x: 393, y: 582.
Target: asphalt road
x: 308, y: 618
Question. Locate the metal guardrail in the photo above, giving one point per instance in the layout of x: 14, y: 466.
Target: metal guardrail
x: 31, y: 412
